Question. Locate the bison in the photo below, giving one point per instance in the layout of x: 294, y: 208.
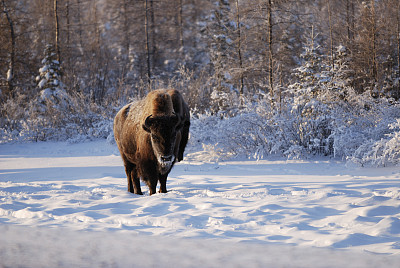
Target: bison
x: 151, y: 135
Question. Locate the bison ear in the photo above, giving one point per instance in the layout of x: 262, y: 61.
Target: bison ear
x: 179, y: 126
x: 147, y: 123
x: 175, y: 118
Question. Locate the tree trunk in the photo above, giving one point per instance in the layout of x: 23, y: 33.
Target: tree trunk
x: 10, y: 73
x: 67, y: 47
x: 398, y: 46
x: 180, y: 18
x: 126, y: 29
x: 153, y: 34
x: 146, y: 30
x: 239, y: 48
x: 398, y: 35
x: 68, y: 23
x: 269, y: 40
x: 350, y: 20
x: 330, y: 33
x: 373, y: 41
x: 57, y: 31
x: 78, y: 2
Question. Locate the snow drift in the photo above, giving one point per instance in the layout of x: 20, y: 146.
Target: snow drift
x: 69, y: 203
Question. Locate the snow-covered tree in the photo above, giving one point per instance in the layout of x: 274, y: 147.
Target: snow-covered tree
x: 52, y: 90
x: 309, y: 73
x: 340, y: 75
x: 221, y: 44
x: 308, y: 106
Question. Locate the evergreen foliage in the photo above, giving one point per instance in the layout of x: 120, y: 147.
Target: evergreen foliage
x: 52, y: 90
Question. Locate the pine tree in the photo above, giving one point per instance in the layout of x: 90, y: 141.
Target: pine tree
x: 308, y: 108
x: 339, y: 76
x: 309, y: 76
x: 49, y: 81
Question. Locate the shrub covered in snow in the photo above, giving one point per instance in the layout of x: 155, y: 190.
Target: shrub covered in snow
x: 360, y: 129
x: 81, y: 121
x: 319, y: 114
x: 52, y: 113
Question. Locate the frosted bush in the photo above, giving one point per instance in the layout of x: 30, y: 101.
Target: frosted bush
x: 391, y: 145
x: 37, y: 121
x: 359, y: 129
x: 383, y: 152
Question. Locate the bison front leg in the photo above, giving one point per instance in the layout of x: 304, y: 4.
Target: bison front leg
x: 163, y: 183
x: 152, y: 184
x: 133, y: 180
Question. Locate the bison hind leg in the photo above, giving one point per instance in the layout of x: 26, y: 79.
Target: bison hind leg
x: 136, y: 186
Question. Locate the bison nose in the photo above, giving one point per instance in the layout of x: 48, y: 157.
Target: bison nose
x: 167, y: 158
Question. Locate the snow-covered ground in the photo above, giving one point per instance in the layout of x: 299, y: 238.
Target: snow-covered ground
x: 66, y: 205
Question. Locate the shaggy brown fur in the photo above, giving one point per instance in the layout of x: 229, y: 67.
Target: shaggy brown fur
x: 181, y: 109
x: 151, y: 135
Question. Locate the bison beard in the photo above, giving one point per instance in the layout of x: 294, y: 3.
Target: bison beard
x: 151, y: 135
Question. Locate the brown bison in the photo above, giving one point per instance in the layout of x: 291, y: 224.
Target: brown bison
x: 151, y: 135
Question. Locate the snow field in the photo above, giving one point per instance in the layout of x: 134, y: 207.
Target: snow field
x: 44, y: 247
x: 77, y: 193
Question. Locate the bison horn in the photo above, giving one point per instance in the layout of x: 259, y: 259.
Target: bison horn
x: 147, y: 123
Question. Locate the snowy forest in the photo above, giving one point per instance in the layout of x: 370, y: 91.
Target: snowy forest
x: 262, y: 77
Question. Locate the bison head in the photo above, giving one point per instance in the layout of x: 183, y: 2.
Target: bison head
x: 163, y: 131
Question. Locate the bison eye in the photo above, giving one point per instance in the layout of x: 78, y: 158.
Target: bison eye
x: 155, y: 138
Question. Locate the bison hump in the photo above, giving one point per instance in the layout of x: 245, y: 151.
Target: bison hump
x: 161, y: 102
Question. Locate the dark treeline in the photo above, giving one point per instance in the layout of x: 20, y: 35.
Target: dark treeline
x: 261, y: 77
x: 112, y: 48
